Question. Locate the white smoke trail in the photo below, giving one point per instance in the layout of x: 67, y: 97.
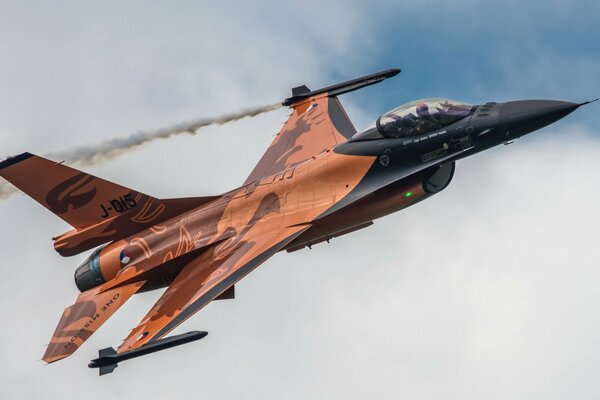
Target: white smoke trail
x: 104, y: 151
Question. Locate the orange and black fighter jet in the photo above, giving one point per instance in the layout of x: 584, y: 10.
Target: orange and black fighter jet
x: 319, y: 179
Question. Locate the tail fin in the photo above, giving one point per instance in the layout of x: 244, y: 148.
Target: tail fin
x: 78, y: 198
x: 99, y: 210
x: 109, y: 351
x: 107, y: 369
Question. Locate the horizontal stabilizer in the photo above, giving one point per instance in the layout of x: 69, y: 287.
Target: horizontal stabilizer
x: 302, y: 92
x: 83, y: 318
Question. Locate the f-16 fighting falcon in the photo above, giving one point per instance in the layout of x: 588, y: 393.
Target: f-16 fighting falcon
x: 319, y: 179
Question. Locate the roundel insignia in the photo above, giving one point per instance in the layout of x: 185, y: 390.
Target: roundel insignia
x: 312, y: 107
x: 124, y: 258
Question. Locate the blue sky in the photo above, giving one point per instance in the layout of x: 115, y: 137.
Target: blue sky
x: 487, y: 290
x: 481, y: 51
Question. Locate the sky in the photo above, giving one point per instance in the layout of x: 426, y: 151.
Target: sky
x: 486, y: 290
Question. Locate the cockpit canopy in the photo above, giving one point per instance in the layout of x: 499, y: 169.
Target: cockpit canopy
x: 417, y: 117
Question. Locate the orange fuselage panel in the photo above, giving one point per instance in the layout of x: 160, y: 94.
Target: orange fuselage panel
x: 299, y: 195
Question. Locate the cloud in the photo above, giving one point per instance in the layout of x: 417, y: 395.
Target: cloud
x: 490, y: 284
x: 485, y: 290
x: 97, y: 153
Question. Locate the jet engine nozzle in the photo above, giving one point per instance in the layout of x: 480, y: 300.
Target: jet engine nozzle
x: 88, y: 274
x: 525, y: 116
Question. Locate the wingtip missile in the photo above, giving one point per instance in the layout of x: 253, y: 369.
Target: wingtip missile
x: 302, y: 92
x: 108, y: 359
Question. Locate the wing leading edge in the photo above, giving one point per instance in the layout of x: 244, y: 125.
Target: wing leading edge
x: 308, y: 131
x: 317, y: 123
x: 205, y: 278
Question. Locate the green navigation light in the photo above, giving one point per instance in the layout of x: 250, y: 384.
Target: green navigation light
x: 408, y: 194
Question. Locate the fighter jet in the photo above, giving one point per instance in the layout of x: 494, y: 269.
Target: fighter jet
x: 319, y: 179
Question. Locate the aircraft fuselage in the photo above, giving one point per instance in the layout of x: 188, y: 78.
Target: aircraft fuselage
x: 336, y: 192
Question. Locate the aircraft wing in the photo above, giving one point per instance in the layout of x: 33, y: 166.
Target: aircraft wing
x: 317, y: 123
x: 205, y: 278
x: 308, y: 131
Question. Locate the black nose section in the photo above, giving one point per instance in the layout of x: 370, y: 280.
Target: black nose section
x: 522, y: 117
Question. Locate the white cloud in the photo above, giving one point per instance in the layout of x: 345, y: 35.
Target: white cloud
x: 486, y: 290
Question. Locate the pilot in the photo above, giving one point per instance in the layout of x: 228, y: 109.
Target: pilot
x: 409, y: 125
x: 399, y: 126
x: 423, y: 110
x: 425, y: 122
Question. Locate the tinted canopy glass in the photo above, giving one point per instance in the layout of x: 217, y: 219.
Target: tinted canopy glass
x: 422, y: 116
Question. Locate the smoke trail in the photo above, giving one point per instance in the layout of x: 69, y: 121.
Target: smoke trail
x: 109, y: 149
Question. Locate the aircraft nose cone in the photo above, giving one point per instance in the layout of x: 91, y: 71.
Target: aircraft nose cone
x: 525, y: 116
